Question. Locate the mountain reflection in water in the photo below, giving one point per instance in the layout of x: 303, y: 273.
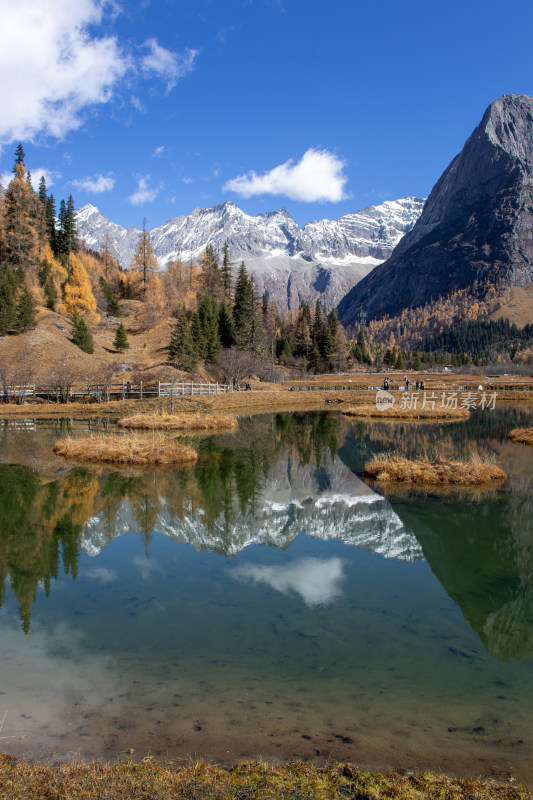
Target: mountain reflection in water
x: 261, y: 487
x: 280, y: 476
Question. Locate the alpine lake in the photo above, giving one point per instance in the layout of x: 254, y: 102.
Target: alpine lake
x: 268, y: 602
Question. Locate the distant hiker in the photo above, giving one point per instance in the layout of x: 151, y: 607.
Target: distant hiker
x: 247, y: 387
x: 407, y: 384
x: 417, y: 385
x: 423, y: 385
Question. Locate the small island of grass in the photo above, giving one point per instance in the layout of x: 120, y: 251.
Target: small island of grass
x: 474, y: 471
x: 128, y: 450
x: 399, y: 412
x: 179, y: 422
x: 521, y: 436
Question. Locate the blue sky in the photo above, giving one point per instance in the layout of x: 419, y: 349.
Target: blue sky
x: 148, y: 108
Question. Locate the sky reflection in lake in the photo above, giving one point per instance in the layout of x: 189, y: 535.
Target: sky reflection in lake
x: 269, y: 602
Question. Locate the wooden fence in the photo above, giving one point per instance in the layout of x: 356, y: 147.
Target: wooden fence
x: 112, y: 391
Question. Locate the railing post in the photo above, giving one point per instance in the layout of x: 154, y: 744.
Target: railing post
x: 123, y: 393
x: 141, y: 390
x: 191, y: 388
x: 159, y: 388
x: 183, y: 388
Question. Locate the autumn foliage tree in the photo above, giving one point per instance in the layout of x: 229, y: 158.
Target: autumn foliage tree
x: 78, y: 297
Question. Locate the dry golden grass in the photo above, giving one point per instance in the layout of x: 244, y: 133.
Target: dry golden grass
x: 179, y: 422
x: 396, y: 412
x: 247, y: 780
x: 521, y: 435
x: 434, y: 471
x: 125, y: 450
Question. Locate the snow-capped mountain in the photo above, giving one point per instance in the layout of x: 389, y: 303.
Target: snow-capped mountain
x: 323, y: 259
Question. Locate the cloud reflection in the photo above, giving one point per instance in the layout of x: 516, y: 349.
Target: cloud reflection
x: 317, y: 581
x: 102, y: 574
x: 146, y: 567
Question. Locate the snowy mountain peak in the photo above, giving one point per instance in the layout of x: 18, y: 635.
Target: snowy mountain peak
x: 323, y: 259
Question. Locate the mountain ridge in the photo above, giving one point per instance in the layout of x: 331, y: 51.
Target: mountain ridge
x: 323, y: 259
x: 476, y: 226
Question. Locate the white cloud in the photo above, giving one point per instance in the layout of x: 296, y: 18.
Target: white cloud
x: 158, y: 152
x: 317, y: 582
x: 144, y: 193
x: 137, y: 104
x: 317, y: 177
x: 168, y: 65
x: 50, y: 176
x: 97, y: 185
x: 51, y: 67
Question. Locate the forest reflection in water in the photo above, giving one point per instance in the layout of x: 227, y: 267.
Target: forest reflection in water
x: 279, y: 475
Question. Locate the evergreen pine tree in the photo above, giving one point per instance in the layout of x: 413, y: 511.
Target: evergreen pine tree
x: 112, y: 303
x: 226, y: 326
x: 333, y: 324
x: 248, y: 316
x: 19, y: 157
x: 226, y: 271
x: 206, y: 328
x: 50, y: 293
x: 8, y: 286
x: 42, y: 194
x: 314, y: 359
x: 120, y: 342
x: 50, y: 224
x: 316, y: 331
x: 25, y: 313
x: 81, y: 335
x: 211, y: 275
x: 182, y: 351
x: 71, y: 232
x: 241, y: 301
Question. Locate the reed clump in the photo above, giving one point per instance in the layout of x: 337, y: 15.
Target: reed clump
x: 179, y: 422
x: 521, y: 436
x: 248, y: 780
x: 126, y: 450
x: 397, y: 412
x: 435, y: 471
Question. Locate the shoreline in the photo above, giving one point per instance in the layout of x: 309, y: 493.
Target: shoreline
x: 247, y: 779
x: 258, y: 401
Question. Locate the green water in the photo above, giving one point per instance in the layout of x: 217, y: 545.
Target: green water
x: 269, y: 603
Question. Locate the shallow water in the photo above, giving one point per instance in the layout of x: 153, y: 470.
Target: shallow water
x: 270, y: 603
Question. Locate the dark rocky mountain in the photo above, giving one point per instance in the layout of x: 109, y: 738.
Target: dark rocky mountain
x: 477, y: 224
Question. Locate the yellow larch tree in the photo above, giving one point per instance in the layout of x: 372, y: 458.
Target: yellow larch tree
x: 78, y: 297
